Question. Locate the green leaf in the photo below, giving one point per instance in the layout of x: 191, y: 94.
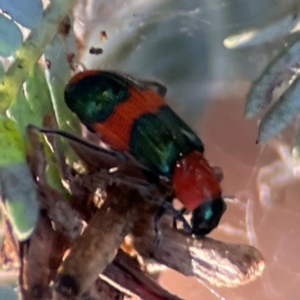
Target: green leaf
x: 285, y: 109
x: 20, y: 112
x: 57, y: 78
x: 17, y: 187
x: 31, y: 51
x: 38, y: 95
x: 12, y: 148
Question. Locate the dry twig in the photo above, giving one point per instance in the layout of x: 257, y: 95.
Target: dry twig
x: 125, y: 212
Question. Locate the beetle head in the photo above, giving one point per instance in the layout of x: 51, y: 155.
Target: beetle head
x: 197, y: 188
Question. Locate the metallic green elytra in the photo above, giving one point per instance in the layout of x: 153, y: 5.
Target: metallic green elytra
x: 94, y: 99
x: 158, y: 140
x: 131, y: 117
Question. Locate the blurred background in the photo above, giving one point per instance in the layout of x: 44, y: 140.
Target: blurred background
x: 180, y: 43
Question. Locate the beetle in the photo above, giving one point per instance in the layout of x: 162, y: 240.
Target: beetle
x: 131, y: 115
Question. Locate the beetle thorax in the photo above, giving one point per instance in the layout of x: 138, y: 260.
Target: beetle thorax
x: 194, y: 181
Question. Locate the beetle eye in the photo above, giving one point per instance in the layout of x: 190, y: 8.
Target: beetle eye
x: 206, y: 216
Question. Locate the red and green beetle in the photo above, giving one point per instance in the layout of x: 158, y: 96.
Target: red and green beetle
x: 131, y: 115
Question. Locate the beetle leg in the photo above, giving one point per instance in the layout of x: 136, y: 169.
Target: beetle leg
x: 182, y: 211
x: 160, y: 212
x: 167, y: 206
x: 179, y: 216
